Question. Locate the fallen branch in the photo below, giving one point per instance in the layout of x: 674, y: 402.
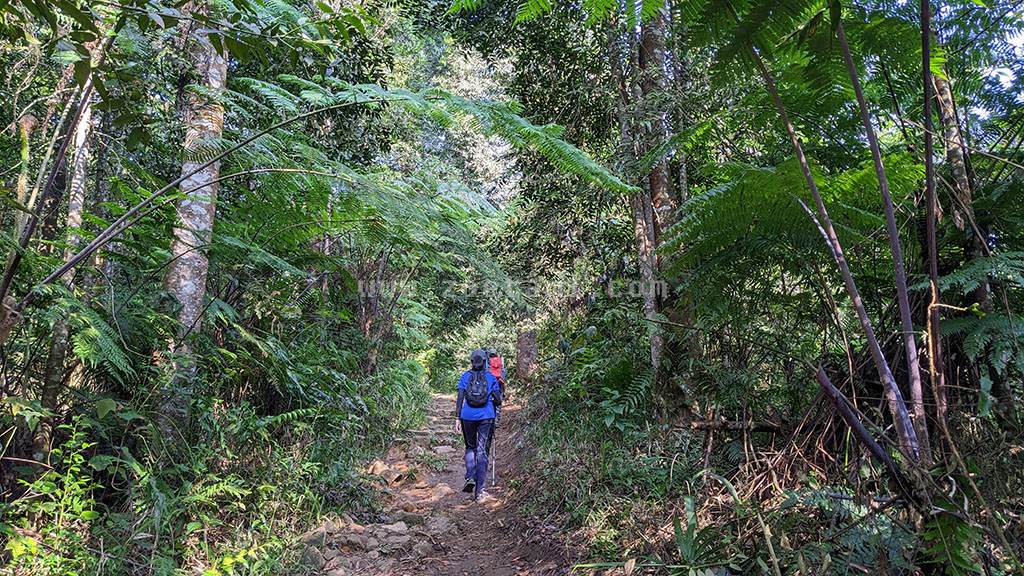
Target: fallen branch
x: 865, y: 438
x: 733, y: 425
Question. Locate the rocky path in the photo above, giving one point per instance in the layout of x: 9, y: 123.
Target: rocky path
x: 433, y: 528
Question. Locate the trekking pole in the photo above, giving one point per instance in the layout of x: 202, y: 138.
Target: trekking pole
x: 493, y: 464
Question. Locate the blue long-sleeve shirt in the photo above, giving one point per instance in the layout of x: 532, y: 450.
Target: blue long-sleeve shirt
x: 487, y: 410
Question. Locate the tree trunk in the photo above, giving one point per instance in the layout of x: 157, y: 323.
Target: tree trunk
x: 918, y: 415
x: 640, y: 203
x: 189, y: 265
x: 938, y: 369
x: 652, y: 84
x: 53, y: 376
x: 9, y: 317
x: 526, y: 354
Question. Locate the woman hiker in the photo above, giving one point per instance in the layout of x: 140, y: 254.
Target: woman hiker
x: 477, y: 410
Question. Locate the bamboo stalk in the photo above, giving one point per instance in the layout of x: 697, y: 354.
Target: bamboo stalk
x: 918, y: 417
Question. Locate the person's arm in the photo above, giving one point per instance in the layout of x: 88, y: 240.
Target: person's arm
x: 459, y: 399
x: 496, y: 399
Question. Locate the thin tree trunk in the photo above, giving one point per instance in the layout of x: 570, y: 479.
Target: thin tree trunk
x: 956, y: 159
x: 189, y: 265
x: 938, y: 369
x: 652, y: 84
x: 53, y: 376
x: 907, y: 436
x: 954, y: 148
x: 640, y: 203
x: 9, y: 317
x: 918, y: 415
x: 663, y: 204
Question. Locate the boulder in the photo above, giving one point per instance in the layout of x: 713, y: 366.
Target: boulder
x: 313, y: 558
x: 411, y: 518
x: 399, y: 527
x: 440, y: 491
x: 398, y: 539
x: 422, y: 548
x: 443, y: 450
x: 440, y: 525
x: 354, y: 540
x: 316, y: 537
x: 391, y: 476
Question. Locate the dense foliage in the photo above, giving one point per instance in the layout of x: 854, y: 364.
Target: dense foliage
x: 248, y: 238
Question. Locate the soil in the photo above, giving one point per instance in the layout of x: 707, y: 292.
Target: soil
x: 433, y: 528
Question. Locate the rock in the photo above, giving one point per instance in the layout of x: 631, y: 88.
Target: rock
x: 337, y: 572
x: 331, y: 554
x: 442, y: 450
x: 408, y: 507
x: 396, y: 453
x: 315, y: 537
x: 391, y: 476
x: 440, y: 491
x: 411, y: 518
x: 416, y: 451
x: 373, y: 554
x: 376, y: 468
x: 422, y: 548
x: 399, y: 527
x: 398, y: 539
x: 312, y: 557
x: 440, y: 525
x: 371, y: 543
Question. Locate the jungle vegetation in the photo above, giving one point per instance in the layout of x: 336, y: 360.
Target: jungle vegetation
x: 761, y: 263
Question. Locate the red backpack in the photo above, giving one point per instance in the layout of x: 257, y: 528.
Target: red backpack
x: 496, y: 366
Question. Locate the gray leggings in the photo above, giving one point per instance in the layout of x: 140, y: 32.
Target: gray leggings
x: 477, y: 435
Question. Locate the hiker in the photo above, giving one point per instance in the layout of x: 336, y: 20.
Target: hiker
x: 477, y: 409
x: 497, y: 368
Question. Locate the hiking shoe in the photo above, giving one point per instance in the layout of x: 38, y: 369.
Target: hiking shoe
x: 481, y: 496
x: 470, y: 486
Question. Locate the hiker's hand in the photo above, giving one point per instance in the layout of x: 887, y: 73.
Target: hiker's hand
x: 458, y: 426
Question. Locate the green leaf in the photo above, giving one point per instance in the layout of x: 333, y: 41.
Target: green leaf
x: 82, y: 70
x: 101, y: 462
x: 104, y: 406
x: 985, y: 396
x: 135, y: 136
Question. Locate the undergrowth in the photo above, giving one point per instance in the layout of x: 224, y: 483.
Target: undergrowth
x: 111, y: 501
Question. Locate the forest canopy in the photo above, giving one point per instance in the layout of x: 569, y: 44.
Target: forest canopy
x: 756, y: 268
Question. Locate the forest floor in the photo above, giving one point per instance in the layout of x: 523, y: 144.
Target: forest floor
x: 433, y: 528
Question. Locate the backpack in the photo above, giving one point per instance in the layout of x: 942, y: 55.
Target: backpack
x: 478, y: 391
x: 496, y: 367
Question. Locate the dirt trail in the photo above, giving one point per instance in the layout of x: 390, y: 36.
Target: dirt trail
x: 432, y: 527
